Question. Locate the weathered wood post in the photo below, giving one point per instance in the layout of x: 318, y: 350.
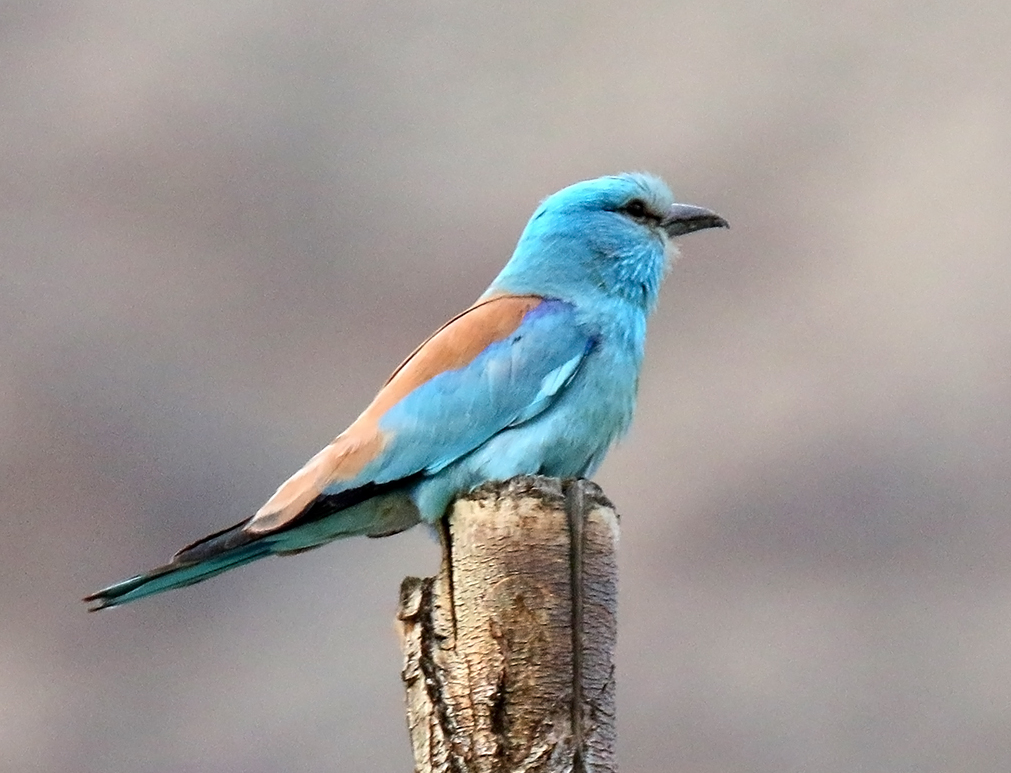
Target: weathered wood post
x: 509, y: 651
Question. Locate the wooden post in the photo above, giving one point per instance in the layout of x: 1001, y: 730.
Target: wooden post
x: 509, y: 651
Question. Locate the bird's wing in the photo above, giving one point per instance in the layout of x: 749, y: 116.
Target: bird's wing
x: 498, y: 364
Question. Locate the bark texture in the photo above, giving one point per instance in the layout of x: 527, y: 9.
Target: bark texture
x: 509, y: 651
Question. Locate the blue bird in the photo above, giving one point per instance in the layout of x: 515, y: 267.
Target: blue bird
x: 539, y: 376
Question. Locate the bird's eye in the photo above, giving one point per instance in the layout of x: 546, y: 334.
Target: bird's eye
x: 635, y: 208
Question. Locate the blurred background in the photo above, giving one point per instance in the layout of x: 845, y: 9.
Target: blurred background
x: 224, y: 223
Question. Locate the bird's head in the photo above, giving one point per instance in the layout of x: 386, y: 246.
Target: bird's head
x: 611, y: 235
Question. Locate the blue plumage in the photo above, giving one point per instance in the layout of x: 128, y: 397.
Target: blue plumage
x: 509, y: 383
x: 538, y: 377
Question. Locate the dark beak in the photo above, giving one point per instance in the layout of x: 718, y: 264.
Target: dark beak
x: 684, y: 218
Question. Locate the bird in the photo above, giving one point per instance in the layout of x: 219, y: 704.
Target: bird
x: 538, y: 377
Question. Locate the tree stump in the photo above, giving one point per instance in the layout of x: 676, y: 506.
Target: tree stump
x: 509, y: 651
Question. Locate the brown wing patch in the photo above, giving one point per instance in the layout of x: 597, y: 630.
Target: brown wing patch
x: 451, y: 347
x: 344, y: 458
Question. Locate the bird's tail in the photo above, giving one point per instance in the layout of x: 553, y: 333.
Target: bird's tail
x: 371, y: 509
x: 205, y: 558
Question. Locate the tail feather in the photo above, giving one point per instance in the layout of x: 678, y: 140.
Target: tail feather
x: 328, y: 517
x: 203, y: 559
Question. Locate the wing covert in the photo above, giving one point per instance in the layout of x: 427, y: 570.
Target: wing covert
x: 498, y: 364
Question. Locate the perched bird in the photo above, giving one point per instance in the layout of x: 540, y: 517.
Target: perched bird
x: 539, y: 376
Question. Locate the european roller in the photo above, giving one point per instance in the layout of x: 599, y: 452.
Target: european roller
x: 539, y: 376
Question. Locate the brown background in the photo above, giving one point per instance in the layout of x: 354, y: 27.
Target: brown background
x: 224, y: 223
